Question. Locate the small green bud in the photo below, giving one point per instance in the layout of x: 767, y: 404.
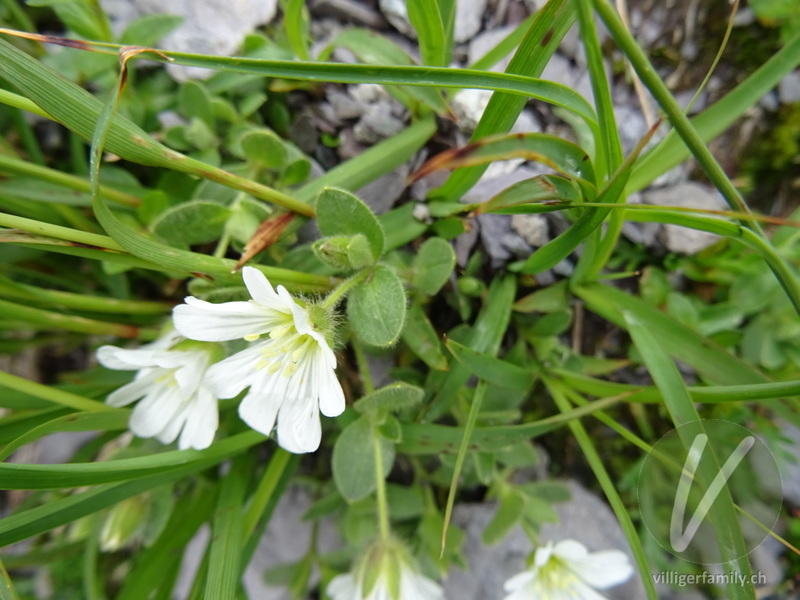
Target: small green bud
x: 470, y: 286
x: 344, y: 252
x: 123, y: 523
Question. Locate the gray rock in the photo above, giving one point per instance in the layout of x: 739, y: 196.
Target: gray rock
x: 532, y: 228
x: 493, y: 228
x: 464, y: 244
x: 210, y: 27
x: 349, y: 10
x: 487, y: 40
x: 469, y: 18
x: 640, y: 233
x: 381, y: 194
x: 468, y: 106
x: 631, y: 125
x: 690, y: 195
x: 585, y: 518
x: 516, y: 245
x: 344, y: 105
x: 287, y: 539
x: 789, y: 88
x: 377, y: 122
x: 396, y: 13
x: 367, y: 93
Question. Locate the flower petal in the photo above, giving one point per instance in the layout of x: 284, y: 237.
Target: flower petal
x: 135, y: 389
x: 331, y: 395
x: 154, y: 413
x: 299, y: 428
x: 227, y: 378
x: 207, y: 322
x: 261, y: 290
x: 202, y: 421
x: 259, y: 410
x: 604, y: 569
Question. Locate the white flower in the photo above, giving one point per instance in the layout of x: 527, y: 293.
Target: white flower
x: 170, y: 383
x: 385, y: 573
x: 290, y: 372
x: 567, y: 570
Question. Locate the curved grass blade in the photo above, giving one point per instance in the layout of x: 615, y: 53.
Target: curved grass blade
x: 472, y: 419
x: 78, y: 110
x: 493, y: 370
x: 48, y: 477
x: 51, y: 394
x: 558, y: 154
x: 706, y: 357
x: 89, y: 421
x: 562, y: 246
x: 531, y: 192
x: 521, y: 86
x: 225, y: 550
x: 722, y: 513
x: 424, y: 438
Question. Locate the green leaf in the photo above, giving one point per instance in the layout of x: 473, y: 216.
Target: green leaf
x: 427, y: 21
x: 341, y: 213
x: 265, y: 149
x: 493, y: 370
x: 432, y: 265
x: 531, y: 191
x: 391, y: 398
x: 509, y: 513
x: 702, y: 354
x: 354, y: 459
x: 485, y: 338
x: 192, y: 222
x: 376, y: 309
x: 194, y: 102
x: 225, y: 549
x: 148, y: 30
x: 423, y: 340
x: 550, y: 299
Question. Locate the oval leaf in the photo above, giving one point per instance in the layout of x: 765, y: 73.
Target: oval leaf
x: 377, y: 308
x: 341, y: 213
x: 354, y: 460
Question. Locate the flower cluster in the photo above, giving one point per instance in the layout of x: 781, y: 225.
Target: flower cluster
x: 288, y: 367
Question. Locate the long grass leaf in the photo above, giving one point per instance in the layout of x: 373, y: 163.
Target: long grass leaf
x: 722, y: 513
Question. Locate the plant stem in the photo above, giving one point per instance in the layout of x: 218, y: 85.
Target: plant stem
x: 20, y: 167
x: 343, y: 288
x: 59, y: 232
x: 380, y: 490
x: 670, y: 106
x: 21, y: 291
x: 49, y: 319
x: 363, y: 366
